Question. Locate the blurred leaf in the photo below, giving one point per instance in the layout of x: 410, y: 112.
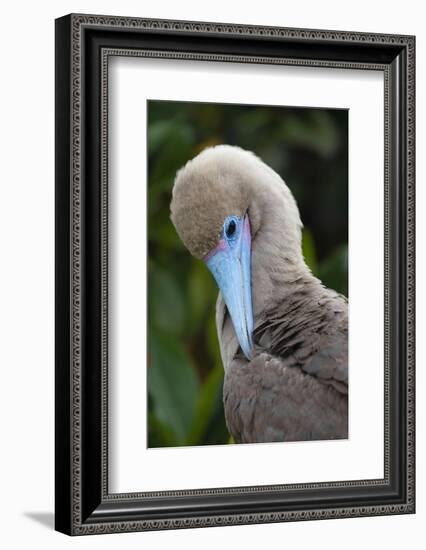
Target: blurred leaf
x: 166, y: 133
x: 170, y: 145
x: 166, y: 303
x: 212, y: 339
x: 211, y: 142
x: 315, y: 130
x: 162, y: 232
x: 255, y: 119
x: 159, y: 434
x: 159, y: 195
x: 202, y: 292
x: 333, y: 271
x: 308, y: 248
x: 308, y: 148
x: 172, y: 142
x: 172, y: 383
x: 209, y: 399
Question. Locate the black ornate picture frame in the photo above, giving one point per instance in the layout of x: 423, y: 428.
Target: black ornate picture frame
x: 84, y: 43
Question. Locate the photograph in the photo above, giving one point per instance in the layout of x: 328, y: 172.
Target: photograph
x: 247, y: 273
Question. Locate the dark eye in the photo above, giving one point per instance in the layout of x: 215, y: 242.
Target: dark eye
x: 231, y: 228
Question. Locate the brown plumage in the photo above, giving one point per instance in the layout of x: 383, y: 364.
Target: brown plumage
x: 295, y: 384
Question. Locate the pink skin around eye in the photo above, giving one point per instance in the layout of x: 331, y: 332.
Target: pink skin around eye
x: 221, y: 245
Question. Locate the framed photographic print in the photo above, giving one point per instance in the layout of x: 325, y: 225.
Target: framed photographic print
x: 234, y: 274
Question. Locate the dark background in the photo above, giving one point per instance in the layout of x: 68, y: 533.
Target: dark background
x: 308, y: 148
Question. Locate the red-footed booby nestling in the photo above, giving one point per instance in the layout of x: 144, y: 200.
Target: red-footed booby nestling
x: 283, y: 336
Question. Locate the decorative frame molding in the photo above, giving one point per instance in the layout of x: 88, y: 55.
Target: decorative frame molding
x: 84, y: 43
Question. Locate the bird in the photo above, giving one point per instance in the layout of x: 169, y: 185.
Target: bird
x: 283, y: 335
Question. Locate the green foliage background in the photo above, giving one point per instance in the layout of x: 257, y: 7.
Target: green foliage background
x: 308, y: 148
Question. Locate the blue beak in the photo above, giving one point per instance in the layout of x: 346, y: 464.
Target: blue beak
x: 230, y: 264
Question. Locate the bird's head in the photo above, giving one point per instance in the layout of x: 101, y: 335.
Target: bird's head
x: 231, y: 209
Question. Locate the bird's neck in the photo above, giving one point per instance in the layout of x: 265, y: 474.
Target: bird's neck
x: 276, y: 275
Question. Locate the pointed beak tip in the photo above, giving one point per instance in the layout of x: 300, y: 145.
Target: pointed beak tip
x: 249, y: 355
